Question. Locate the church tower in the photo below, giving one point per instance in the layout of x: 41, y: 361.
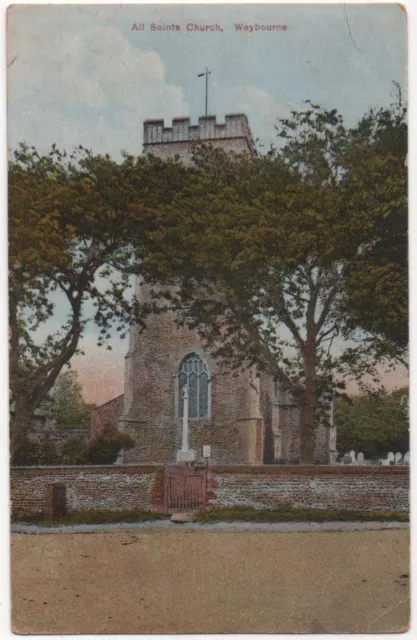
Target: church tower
x: 224, y: 409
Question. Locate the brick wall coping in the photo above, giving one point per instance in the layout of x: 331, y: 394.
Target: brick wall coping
x: 112, y: 468
x: 285, y: 469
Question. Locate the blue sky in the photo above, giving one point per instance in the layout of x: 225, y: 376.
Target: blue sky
x: 81, y: 75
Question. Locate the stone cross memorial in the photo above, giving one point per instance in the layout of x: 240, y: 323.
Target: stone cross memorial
x: 185, y: 454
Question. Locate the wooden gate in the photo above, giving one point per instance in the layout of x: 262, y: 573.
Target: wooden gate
x: 184, y: 489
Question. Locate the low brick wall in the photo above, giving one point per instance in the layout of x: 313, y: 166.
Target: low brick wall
x: 315, y: 487
x: 140, y: 487
x: 120, y: 488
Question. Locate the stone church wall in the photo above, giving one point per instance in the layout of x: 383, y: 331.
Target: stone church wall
x: 321, y: 445
x: 163, y: 142
x: 151, y: 412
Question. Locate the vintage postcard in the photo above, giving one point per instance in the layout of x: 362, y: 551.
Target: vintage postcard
x: 208, y: 318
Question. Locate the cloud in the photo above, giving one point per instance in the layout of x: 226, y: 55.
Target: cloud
x: 262, y: 110
x: 90, y: 87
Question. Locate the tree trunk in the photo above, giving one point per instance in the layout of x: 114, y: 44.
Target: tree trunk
x: 308, y: 404
x: 307, y: 433
x: 19, y: 427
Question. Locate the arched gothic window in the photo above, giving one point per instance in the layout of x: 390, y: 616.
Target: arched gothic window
x: 194, y: 373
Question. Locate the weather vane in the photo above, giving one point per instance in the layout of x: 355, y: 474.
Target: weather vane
x: 200, y: 75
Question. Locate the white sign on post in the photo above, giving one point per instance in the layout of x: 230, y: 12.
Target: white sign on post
x: 206, y: 450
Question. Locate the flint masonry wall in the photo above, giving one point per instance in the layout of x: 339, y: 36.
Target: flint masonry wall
x: 87, y: 487
x: 140, y: 487
x: 313, y: 487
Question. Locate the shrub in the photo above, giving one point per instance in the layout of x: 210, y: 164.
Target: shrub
x: 32, y: 453
x: 105, y: 448
x: 75, y: 451
x: 102, y: 450
x: 27, y: 453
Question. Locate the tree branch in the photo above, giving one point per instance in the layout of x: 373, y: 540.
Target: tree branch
x: 326, y: 333
x: 326, y: 308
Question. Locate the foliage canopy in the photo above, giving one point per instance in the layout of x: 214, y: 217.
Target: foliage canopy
x: 270, y: 255
x: 66, y: 403
x: 374, y: 424
x: 70, y: 261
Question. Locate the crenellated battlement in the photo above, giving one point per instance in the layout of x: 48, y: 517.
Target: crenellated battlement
x: 236, y: 126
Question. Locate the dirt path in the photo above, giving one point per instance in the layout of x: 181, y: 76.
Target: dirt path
x: 169, y: 581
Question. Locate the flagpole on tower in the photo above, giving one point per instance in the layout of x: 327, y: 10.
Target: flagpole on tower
x: 200, y: 75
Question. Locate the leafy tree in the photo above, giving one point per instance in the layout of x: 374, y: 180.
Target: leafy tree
x: 260, y: 251
x: 67, y: 404
x: 377, y: 287
x: 373, y: 424
x: 69, y: 221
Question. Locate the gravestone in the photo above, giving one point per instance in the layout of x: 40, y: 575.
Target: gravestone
x: 361, y: 458
x: 347, y: 459
x: 352, y: 456
x: 397, y: 458
x: 55, y: 500
x: 385, y: 463
x: 390, y: 458
x: 407, y: 458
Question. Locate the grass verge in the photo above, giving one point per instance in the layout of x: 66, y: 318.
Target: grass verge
x: 286, y: 513
x: 90, y: 517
